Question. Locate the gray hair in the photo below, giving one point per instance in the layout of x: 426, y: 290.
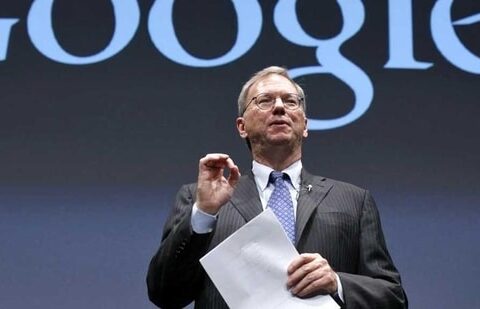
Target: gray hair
x: 260, y: 75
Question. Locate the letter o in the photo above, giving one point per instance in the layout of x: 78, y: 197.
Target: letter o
x: 40, y: 30
x: 162, y: 33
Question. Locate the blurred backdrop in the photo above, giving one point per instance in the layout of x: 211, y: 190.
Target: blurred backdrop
x: 106, y: 107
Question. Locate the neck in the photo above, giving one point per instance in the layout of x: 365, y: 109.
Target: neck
x: 278, y: 158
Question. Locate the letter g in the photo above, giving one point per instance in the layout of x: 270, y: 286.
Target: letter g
x: 329, y: 56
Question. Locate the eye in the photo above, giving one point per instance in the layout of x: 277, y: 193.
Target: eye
x: 290, y: 100
x: 264, y: 99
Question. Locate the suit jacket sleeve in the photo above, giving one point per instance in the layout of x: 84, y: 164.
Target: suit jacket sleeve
x: 175, y: 274
x: 377, y: 283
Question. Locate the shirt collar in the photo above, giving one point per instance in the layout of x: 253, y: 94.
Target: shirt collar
x: 262, y: 174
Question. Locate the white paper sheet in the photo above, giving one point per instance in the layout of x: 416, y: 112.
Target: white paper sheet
x: 249, y: 268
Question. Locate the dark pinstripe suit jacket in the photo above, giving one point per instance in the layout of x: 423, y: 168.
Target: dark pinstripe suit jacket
x: 335, y: 219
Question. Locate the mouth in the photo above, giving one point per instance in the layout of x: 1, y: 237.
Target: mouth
x: 279, y: 123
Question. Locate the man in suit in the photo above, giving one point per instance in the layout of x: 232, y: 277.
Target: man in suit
x: 337, y: 226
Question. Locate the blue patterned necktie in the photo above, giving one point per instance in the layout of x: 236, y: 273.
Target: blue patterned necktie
x: 281, y: 204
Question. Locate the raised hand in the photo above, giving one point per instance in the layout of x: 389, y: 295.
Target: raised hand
x: 213, y: 189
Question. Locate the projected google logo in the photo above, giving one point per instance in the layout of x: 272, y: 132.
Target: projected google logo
x: 249, y: 21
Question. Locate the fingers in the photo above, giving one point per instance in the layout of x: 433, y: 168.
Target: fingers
x: 213, y: 189
x: 214, y: 160
x: 301, y: 260
x: 234, y: 173
x: 303, y: 265
x: 310, y: 274
x: 320, y: 284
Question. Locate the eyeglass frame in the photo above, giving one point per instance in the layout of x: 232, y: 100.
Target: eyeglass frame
x: 301, y: 101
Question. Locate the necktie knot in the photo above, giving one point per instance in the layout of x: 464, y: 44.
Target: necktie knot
x: 276, y: 176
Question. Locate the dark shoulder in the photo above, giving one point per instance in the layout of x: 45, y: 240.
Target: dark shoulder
x: 345, y: 186
x: 330, y: 182
x: 186, y: 193
x: 190, y: 187
x: 340, y: 189
x: 345, y: 197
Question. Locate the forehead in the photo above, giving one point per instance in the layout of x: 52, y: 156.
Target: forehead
x: 272, y: 83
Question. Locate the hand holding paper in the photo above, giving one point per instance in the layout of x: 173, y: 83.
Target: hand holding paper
x: 310, y: 274
x: 250, y: 268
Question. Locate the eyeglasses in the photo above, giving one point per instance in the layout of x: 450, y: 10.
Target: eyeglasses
x: 266, y: 101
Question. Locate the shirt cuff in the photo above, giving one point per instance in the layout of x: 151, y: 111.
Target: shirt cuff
x: 340, y: 288
x: 201, y: 221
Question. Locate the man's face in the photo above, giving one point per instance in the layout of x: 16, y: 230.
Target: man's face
x: 275, y: 126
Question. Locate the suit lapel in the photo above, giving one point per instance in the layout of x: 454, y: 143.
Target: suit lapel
x: 309, y: 199
x: 246, y: 199
x: 247, y: 202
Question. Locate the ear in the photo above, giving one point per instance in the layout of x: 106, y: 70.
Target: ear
x: 241, y: 127
x: 305, y: 130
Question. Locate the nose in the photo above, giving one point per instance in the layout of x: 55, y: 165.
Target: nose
x: 278, y: 106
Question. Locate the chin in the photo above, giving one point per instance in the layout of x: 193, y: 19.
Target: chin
x: 280, y: 140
